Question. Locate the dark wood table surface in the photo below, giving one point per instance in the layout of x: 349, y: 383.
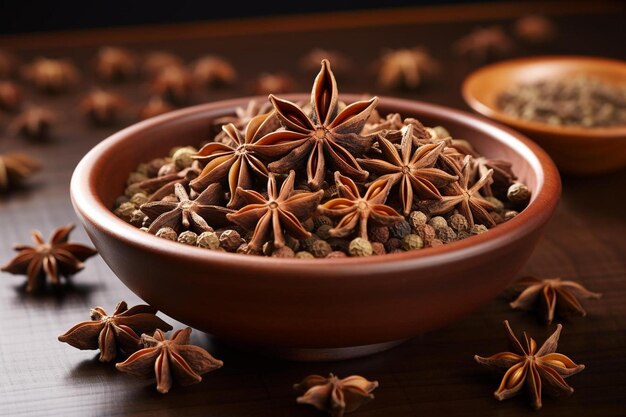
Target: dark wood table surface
x: 432, y: 374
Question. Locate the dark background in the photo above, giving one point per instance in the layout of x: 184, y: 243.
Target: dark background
x: 40, y: 16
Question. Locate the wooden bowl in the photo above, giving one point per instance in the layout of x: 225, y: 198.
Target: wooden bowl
x: 320, y: 308
x: 575, y: 150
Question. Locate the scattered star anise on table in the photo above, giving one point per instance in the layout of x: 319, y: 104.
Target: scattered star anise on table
x: 534, y: 29
x: 155, y: 106
x: 414, y: 171
x: 103, y: 107
x: 51, y: 75
x: 465, y: 197
x: 310, y: 62
x: 169, y: 360
x: 164, y: 185
x: 15, y: 167
x: 333, y: 395
x: 237, y: 163
x: 356, y: 211
x: 277, y: 83
x: 550, y: 294
x: 10, y: 96
x: 282, y: 209
x: 114, y: 334
x: 187, y: 214
x: 54, y: 259
x: 116, y: 64
x: 484, y: 44
x: 212, y: 71
x: 34, y: 123
x: 8, y: 64
x: 406, y: 68
x: 540, y: 369
x: 326, y: 138
x: 174, y: 84
x: 155, y: 62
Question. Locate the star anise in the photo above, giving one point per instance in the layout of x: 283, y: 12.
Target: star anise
x: 391, y: 128
x: 467, y: 198
x: 187, y: 214
x: 484, y: 44
x: 406, y: 68
x: 114, y: 334
x: 213, y: 71
x: 413, y: 171
x: 241, y: 118
x: 34, y: 122
x: 52, y: 75
x: 103, y: 107
x: 164, y: 185
x: 535, y: 28
x: 311, y: 61
x: 15, y: 168
x: 155, y: 62
x: 333, y: 395
x: 326, y: 134
x: 277, y: 83
x: 502, y: 172
x: 237, y: 163
x: 53, y: 260
x: 356, y: 210
x: 116, y: 64
x: 541, y: 369
x: 550, y: 293
x: 10, y: 96
x: 280, y: 210
x: 174, y: 84
x: 155, y: 106
x: 169, y: 360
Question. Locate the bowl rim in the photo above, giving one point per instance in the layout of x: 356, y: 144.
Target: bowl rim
x: 91, y: 209
x: 467, y: 90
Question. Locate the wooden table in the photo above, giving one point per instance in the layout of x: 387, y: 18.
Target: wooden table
x: 434, y: 373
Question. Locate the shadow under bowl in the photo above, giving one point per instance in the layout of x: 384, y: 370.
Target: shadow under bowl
x: 314, y: 309
x: 576, y: 150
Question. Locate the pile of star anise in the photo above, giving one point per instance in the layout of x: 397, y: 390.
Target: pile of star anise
x: 318, y: 180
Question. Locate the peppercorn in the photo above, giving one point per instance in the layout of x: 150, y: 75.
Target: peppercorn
x: 323, y: 231
x: 339, y: 244
x: 458, y: 222
x: 393, y: 243
x: 292, y: 242
x: 378, y: 248
x: 167, y: 169
x: 337, y: 254
x: 136, y: 219
x: 284, y: 252
x: 379, y: 234
x: 307, y: 243
x: 412, y: 242
x: 135, y: 177
x: 478, y: 229
x: 509, y: 214
x: 125, y: 211
x: 518, y: 193
x: 133, y: 189
x: 304, y: 255
x: 320, y: 248
x: 167, y: 233
x: 155, y: 165
x: 121, y: 200
x: 435, y: 242
x: 400, y: 229
x: 321, y: 221
x: 426, y: 232
x: 182, y: 158
x: 360, y: 247
x: 230, y: 240
x: 139, y: 199
x: 446, y: 234
x: 463, y: 234
x: 208, y: 240
x: 397, y: 251
x: 188, y: 238
x: 330, y: 192
x: 143, y: 169
x: 308, y: 225
x: 499, y: 205
x: 417, y: 218
x: 438, y: 222
x: 496, y: 217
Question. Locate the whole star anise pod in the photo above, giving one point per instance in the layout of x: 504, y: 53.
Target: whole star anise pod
x: 155, y: 62
x: 237, y: 163
x: 14, y: 168
x: 212, y: 71
x: 413, y: 171
x: 333, y: 395
x: 539, y: 369
x: 277, y: 83
x: 114, y: 334
x: 406, y: 68
x: 51, y: 75
x: 103, y: 107
x: 187, y: 214
x: 174, y: 84
x: 502, y: 172
x: 551, y: 293
x: 116, y: 64
x: 467, y: 198
x: 280, y: 210
x: 241, y: 118
x: 10, y: 96
x: 164, y: 185
x: 325, y: 135
x: 52, y: 260
x: 484, y: 44
x: 34, y: 123
x: 356, y: 211
x: 169, y: 360
x: 155, y: 106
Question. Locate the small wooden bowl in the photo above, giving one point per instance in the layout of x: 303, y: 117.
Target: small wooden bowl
x: 579, y: 151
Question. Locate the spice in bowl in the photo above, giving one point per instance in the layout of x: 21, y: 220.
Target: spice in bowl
x: 324, y: 180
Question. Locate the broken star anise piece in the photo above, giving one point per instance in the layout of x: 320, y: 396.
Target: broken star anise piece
x: 539, y: 369
x: 103, y: 107
x: 34, y: 123
x: 53, y: 260
x: 280, y: 210
x: 187, y: 214
x: 169, y: 360
x: 241, y: 118
x: 116, y: 64
x: 502, y: 172
x: 355, y: 211
x: 333, y: 395
x: 413, y: 171
x: 114, y: 334
x: 51, y: 75
x: 326, y: 138
x: 467, y: 199
x: 164, y: 185
x: 406, y: 68
x: 15, y: 168
x: 237, y: 163
x: 551, y: 293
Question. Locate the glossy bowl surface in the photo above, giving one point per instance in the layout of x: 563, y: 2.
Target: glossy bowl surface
x: 310, y: 309
x: 575, y: 150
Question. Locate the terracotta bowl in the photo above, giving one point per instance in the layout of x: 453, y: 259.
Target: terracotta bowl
x: 575, y: 150
x: 310, y: 309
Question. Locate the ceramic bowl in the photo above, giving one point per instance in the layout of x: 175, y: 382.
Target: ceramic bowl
x: 310, y: 309
x: 575, y: 150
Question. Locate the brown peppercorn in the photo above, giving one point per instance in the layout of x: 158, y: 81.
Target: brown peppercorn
x: 330, y: 192
x: 153, y: 167
x: 392, y: 243
x: 478, y: 229
x: 167, y: 233
x: 518, y: 193
x: 292, y: 242
x: 426, y: 232
x: 339, y: 244
x: 509, y: 214
x: 412, y: 242
x: 336, y: 254
x: 496, y: 217
x: 133, y: 189
x: 308, y: 225
x: 208, y: 240
x: 463, y: 234
x: 136, y: 219
x: 188, y: 238
x: 320, y: 248
x: 438, y: 222
x: 125, y: 211
x: 434, y: 243
x: 458, y: 222
x: 307, y: 243
x: 10, y: 96
x: 323, y: 231
x: 284, y: 252
x: 378, y: 248
x: 321, y: 221
x: 360, y: 247
x: 417, y: 219
x: 139, y: 199
x: 182, y: 158
x: 304, y: 255
x: 446, y: 234
x: 379, y: 234
x: 230, y: 240
x: 400, y: 229
x: 135, y: 177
